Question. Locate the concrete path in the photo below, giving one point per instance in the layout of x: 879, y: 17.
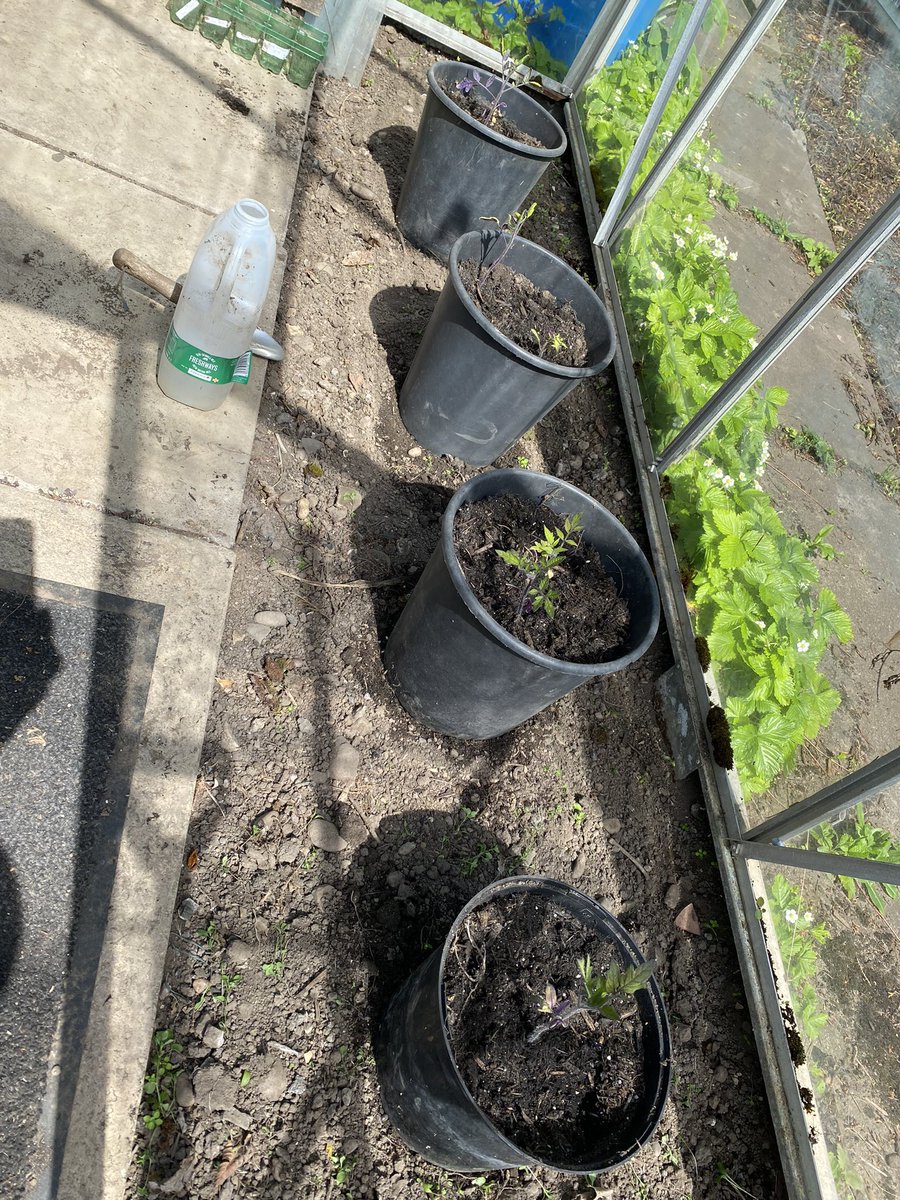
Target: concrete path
x: 118, y: 512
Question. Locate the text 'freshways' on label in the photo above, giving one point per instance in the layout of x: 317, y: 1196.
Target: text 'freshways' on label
x: 209, y: 368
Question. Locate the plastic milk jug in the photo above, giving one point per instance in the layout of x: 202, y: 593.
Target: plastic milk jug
x: 207, y: 348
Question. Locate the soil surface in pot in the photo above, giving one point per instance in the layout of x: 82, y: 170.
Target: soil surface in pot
x: 568, y: 1096
x: 590, y: 618
x: 529, y: 316
x: 478, y: 107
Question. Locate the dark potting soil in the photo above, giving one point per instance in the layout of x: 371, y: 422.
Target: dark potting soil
x: 566, y: 1097
x: 590, y: 618
x: 532, y: 318
x: 478, y: 108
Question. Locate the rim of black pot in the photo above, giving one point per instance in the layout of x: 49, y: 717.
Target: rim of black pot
x: 511, y: 347
x: 479, y: 127
x: 477, y: 609
x: 526, y: 883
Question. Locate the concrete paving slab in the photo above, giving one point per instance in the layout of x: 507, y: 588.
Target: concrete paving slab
x: 84, y: 1150
x: 118, y: 85
x: 763, y: 155
x: 118, y: 129
x: 82, y: 414
x: 768, y: 279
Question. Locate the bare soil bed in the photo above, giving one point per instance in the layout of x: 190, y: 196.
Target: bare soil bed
x: 290, y: 932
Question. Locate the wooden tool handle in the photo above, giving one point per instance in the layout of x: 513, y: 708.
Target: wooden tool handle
x: 138, y: 269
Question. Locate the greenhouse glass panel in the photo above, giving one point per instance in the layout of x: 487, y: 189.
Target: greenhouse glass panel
x: 694, y: 265
x: 616, y: 99
x: 786, y: 521
x: 841, y: 961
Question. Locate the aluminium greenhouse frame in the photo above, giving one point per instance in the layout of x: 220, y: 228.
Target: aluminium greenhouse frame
x: 740, y: 850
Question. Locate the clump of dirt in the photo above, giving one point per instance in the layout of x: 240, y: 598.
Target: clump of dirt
x: 565, y: 1094
x: 589, y: 619
x: 528, y: 315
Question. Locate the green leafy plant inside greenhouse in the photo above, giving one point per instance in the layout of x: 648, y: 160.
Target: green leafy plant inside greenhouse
x: 752, y: 587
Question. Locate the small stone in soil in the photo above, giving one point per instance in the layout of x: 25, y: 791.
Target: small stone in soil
x: 687, y: 920
x: 258, y: 632
x: 214, y: 1037
x: 242, y: 1120
x: 238, y: 952
x: 344, y: 763
x: 273, y: 1086
x: 228, y: 741
x: 612, y: 825
x: 274, y: 620
x: 324, y: 835
x: 184, y: 1091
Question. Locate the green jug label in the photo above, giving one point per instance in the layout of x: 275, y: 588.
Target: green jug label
x: 207, y: 367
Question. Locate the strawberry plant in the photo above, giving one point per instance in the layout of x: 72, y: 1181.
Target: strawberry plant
x: 752, y: 588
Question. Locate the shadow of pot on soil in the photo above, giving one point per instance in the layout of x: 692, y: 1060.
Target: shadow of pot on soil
x: 400, y: 316
x: 391, y: 148
x: 393, y: 532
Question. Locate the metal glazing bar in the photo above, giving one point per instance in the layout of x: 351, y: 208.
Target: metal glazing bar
x: 707, y: 101
x: 602, y: 36
x: 645, y: 137
x: 582, y: 163
x: 812, y: 860
x: 782, y: 334
x: 805, y: 814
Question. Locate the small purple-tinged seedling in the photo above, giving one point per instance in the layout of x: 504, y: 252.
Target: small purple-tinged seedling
x: 494, y: 104
x: 603, y: 995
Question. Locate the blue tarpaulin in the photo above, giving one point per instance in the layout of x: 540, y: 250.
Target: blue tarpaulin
x: 564, y: 38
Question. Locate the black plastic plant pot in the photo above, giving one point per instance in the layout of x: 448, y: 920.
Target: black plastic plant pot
x: 455, y: 669
x: 461, y: 170
x: 471, y: 391
x: 424, y: 1094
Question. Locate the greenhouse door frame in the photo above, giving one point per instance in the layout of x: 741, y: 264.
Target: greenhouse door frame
x: 740, y: 850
